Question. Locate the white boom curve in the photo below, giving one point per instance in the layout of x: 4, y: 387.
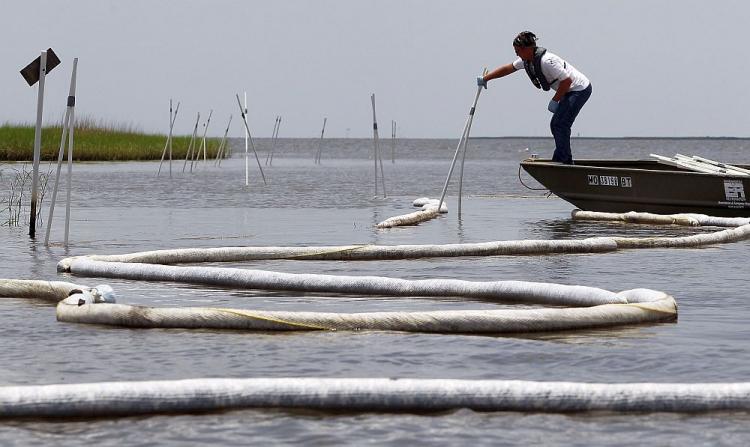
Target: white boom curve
x: 582, y: 307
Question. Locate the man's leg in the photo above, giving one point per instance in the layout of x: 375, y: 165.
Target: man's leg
x: 561, y: 132
x: 562, y: 121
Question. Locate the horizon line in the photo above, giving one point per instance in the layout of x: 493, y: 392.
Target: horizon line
x: 519, y: 137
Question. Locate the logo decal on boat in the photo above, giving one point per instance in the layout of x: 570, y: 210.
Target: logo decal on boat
x: 734, y: 190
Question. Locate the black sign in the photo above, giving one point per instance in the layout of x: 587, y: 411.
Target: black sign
x: 31, y: 71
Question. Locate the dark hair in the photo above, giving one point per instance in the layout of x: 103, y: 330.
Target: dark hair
x: 525, y: 39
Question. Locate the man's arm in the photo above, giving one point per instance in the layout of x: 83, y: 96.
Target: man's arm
x: 499, y: 72
x: 562, y: 89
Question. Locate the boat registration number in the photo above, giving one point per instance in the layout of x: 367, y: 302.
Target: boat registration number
x: 610, y: 180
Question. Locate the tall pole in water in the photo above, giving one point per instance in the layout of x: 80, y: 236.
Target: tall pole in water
x: 275, y: 140
x: 171, y: 126
x: 68, y: 121
x: 377, y: 151
x: 247, y: 137
x: 393, y: 141
x: 320, y: 143
x: 168, y: 144
x: 71, y: 133
x: 37, y: 143
x: 169, y: 137
x: 189, y: 151
x: 203, y: 140
x: 250, y: 139
x: 195, y: 154
x: 35, y: 72
x: 276, y: 124
x: 222, y: 147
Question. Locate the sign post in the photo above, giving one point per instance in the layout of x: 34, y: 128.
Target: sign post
x: 37, y: 71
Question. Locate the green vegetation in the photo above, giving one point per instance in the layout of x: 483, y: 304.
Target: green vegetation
x: 95, y: 142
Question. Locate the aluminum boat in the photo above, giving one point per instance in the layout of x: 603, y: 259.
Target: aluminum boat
x: 666, y: 185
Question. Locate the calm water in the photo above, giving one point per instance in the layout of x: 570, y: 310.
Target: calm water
x: 123, y: 207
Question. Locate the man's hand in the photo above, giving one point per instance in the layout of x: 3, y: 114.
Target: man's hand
x: 553, y: 105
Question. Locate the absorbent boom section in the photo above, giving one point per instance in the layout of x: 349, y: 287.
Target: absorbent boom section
x: 574, y: 307
x: 365, y: 394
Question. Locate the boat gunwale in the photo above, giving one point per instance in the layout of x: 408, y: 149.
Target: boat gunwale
x: 581, y: 164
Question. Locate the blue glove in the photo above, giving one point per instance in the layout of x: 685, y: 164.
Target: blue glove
x: 481, y: 82
x: 553, y: 105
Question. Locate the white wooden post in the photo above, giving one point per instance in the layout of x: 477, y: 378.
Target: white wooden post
x: 67, y: 125
x: 37, y: 143
x: 250, y: 139
x: 168, y: 144
x: 247, y: 138
x: 71, y: 134
x: 189, y: 151
x: 377, y: 151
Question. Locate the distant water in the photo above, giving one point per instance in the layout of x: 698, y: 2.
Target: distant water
x: 124, y: 207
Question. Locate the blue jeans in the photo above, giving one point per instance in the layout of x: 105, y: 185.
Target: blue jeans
x: 562, y: 121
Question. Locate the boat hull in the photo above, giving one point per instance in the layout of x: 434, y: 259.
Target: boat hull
x: 644, y: 185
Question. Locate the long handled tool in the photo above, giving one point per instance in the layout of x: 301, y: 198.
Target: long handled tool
x: 250, y: 139
x: 462, y: 142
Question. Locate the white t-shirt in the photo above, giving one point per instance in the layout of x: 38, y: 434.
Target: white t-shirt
x: 555, y: 69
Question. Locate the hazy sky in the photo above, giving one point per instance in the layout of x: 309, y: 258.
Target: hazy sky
x: 658, y: 68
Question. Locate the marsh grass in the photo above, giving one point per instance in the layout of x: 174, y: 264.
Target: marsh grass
x: 15, y: 204
x: 95, y: 141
